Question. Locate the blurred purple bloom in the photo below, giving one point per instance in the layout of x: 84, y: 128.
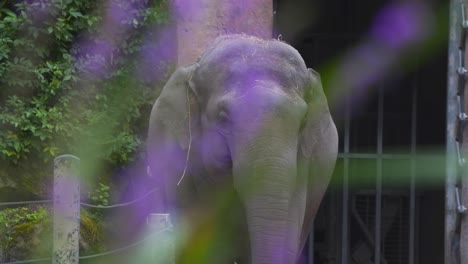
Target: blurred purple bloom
x: 187, y: 8
x: 155, y: 51
x: 397, y: 27
x: 401, y: 24
x: 93, y: 58
x: 117, y: 15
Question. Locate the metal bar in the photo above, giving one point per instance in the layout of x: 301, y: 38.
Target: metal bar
x: 401, y: 223
x: 311, y: 246
x: 312, y: 234
x: 451, y: 171
x: 378, y: 183
x: 345, y: 198
x: 387, y: 156
x: 412, y: 200
x: 275, y: 29
x: 332, y: 237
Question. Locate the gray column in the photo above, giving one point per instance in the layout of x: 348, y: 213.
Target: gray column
x: 66, y: 219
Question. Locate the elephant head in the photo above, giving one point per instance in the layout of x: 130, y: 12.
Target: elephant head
x: 249, y: 114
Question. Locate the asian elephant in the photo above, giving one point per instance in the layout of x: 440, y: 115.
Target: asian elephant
x: 244, y: 144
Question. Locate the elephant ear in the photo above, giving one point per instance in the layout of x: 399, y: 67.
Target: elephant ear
x: 169, y: 134
x: 319, y: 138
x: 318, y: 148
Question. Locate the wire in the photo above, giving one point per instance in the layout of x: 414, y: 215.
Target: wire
x: 25, y: 202
x: 82, y: 203
x: 120, y: 204
x: 28, y: 261
x: 126, y: 247
x: 190, y: 131
x: 100, y: 254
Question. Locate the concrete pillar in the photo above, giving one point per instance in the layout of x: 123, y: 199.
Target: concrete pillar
x: 66, y: 220
x: 199, y: 22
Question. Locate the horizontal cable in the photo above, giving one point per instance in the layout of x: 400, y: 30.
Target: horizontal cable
x: 84, y: 204
x: 28, y: 261
x: 126, y: 247
x: 25, y: 202
x: 148, y: 237
x: 119, y: 204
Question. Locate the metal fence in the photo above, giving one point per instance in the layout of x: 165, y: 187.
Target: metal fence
x: 374, y: 211
x: 375, y: 195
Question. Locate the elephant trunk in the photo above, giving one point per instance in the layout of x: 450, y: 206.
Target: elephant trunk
x: 265, y: 174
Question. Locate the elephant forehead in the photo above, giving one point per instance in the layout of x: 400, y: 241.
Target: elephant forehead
x: 248, y: 50
x: 243, y: 62
x: 235, y: 43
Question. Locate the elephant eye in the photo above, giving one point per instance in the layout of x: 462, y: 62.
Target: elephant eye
x: 224, y: 121
x: 223, y: 117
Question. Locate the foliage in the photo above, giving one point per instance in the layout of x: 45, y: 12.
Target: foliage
x: 18, y: 225
x: 100, y: 195
x: 91, y: 234
x: 26, y: 232
x: 71, y: 81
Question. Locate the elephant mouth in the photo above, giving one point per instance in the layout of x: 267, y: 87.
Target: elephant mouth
x: 226, y: 160
x: 218, y: 160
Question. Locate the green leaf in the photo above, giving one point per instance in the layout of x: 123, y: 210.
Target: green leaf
x: 17, y: 146
x: 8, y: 12
x: 76, y: 14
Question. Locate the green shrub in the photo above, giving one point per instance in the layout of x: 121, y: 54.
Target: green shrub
x: 26, y: 233
x: 18, y: 226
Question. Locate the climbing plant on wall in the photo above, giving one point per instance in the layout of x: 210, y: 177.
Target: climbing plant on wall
x: 77, y: 77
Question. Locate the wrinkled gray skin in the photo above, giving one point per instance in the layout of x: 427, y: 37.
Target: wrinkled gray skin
x: 262, y: 149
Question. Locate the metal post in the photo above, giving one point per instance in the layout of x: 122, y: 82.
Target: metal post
x: 311, y: 246
x: 463, y: 171
x: 66, y: 225
x: 345, y: 212
x: 412, y: 200
x: 162, y: 246
x: 378, y: 182
x: 451, y: 166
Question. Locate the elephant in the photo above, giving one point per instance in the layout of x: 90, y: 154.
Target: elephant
x: 243, y: 144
